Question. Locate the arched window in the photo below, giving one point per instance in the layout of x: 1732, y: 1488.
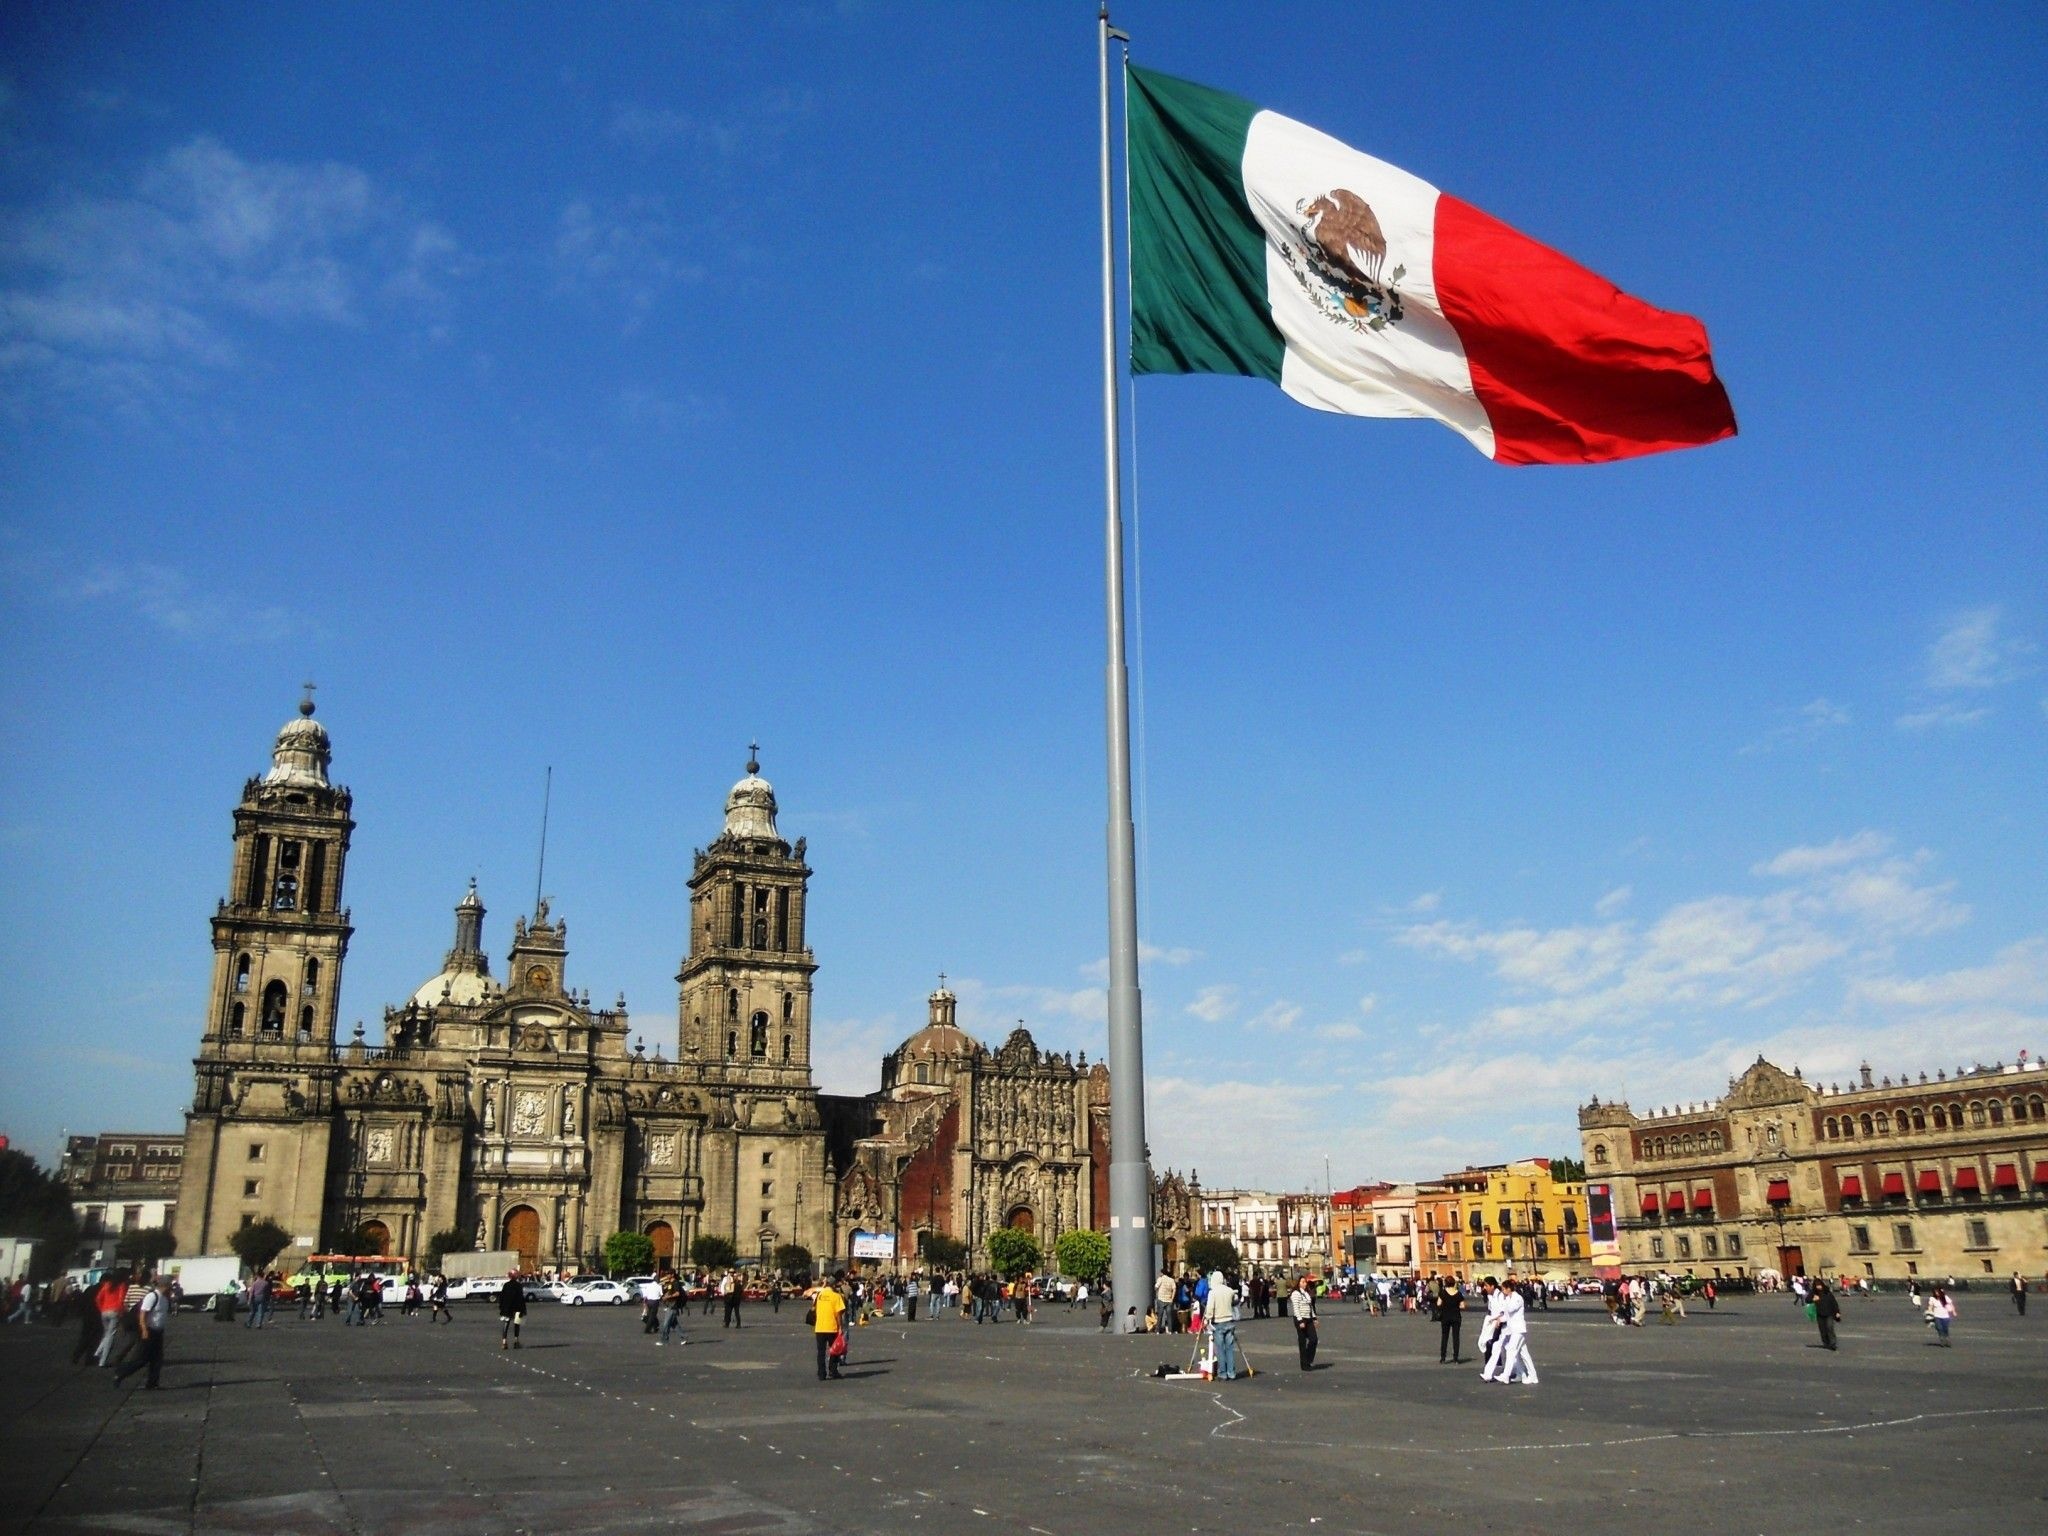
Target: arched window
x: 1955, y: 1117
x: 312, y: 981
x: 1827, y: 1129
x: 1599, y: 1151
x: 241, y: 973
x: 1919, y: 1119
x: 1866, y: 1125
x: 788, y: 1042
x: 2040, y: 1110
x: 306, y: 1022
x: 923, y: 1073
x: 2019, y: 1109
x: 1976, y: 1114
x: 732, y: 1004
x: 1685, y: 1146
x: 757, y: 1035
x: 1997, y: 1113
x: 235, y: 1019
x: 732, y: 1044
x: 1940, y: 1118
x: 1713, y: 1141
x: 1884, y: 1123
x: 1848, y: 1128
x: 273, y: 1008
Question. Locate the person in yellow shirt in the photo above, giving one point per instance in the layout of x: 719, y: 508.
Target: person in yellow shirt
x: 828, y: 1321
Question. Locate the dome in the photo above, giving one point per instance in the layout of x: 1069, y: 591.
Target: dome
x: 750, y: 808
x: 939, y: 1040
x: 302, y: 752
x: 463, y: 988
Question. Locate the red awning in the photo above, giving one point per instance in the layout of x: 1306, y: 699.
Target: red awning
x: 2041, y: 1174
x: 1930, y: 1181
x: 1895, y: 1183
x: 1674, y: 1201
x: 1852, y: 1186
x: 1703, y: 1199
x: 2005, y: 1176
x: 1966, y: 1178
x: 1649, y: 1202
x: 1781, y: 1189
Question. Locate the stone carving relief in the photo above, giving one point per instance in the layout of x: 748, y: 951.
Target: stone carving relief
x: 661, y: 1151
x: 529, y: 1112
x: 378, y: 1146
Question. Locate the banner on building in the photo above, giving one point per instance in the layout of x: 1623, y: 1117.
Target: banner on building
x: 874, y: 1245
x: 1606, y: 1245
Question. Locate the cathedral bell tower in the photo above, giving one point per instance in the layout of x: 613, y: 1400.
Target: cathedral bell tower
x: 746, y: 981
x: 266, y: 1067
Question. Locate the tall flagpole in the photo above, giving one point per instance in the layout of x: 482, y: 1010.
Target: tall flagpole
x: 1130, y: 1177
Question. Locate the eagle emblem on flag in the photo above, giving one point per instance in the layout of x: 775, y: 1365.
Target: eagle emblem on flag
x: 1340, y: 261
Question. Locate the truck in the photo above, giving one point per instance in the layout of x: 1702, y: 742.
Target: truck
x: 16, y: 1254
x: 491, y: 1262
x: 203, y: 1277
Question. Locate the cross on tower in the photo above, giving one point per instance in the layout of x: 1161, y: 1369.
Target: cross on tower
x: 306, y: 704
x: 753, y: 757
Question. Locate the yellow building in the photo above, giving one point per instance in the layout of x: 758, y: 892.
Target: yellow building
x: 1517, y: 1218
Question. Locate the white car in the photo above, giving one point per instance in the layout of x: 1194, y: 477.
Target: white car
x: 596, y: 1293
x: 475, y: 1287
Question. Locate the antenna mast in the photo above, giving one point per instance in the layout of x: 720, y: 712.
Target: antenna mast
x: 547, y: 796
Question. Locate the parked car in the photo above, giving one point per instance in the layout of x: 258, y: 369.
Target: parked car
x: 538, y: 1289
x: 476, y: 1288
x: 597, y: 1293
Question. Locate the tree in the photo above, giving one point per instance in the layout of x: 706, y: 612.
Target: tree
x: 713, y: 1252
x: 1567, y: 1170
x: 628, y: 1253
x: 1083, y: 1254
x: 943, y: 1252
x: 1012, y: 1250
x: 34, y: 1205
x: 1208, y: 1252
x: 260, y: 1242
x: 146, y: 1246
x: 441, y: 1244
x: 794, y: 1261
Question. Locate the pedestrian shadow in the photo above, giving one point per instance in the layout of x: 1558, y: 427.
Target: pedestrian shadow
x: 858, y: 1375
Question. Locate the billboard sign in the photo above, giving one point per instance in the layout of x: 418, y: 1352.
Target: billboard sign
x: 874, y: 1245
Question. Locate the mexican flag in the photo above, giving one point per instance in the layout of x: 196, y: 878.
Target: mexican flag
x: 1260, y: 246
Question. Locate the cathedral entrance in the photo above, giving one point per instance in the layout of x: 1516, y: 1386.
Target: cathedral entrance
x: 375, y: 1238
x: 663, y: 1236
x: 1021, y: 1219
x: 522, y: 1234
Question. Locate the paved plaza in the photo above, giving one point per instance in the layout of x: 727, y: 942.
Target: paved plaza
x: 1732, y: 1421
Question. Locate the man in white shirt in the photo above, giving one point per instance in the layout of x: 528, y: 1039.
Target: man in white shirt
x: 1492, y: 1335
x: 1516, y: 1361
x: 1222, y: 1317
x: 153, y: 1320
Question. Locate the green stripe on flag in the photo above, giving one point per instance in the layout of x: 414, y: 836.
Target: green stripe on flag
x: 1198, y: 258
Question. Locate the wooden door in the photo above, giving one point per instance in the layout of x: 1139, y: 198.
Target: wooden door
x: 522, y: 1235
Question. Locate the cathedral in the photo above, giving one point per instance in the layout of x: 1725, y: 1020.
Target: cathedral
x: 513, y: 1112
x: 510, y: 1110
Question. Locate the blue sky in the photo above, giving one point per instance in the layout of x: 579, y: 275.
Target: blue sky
x: 607, y: 389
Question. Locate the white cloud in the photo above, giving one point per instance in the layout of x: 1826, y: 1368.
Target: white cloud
x: 157, y: 594
x: 626, y: 249
x: 1278, y: 1016
x: 1359, y: 956
x: 1971, y: 653
x: 1341, y: 1031
x: 1613, y: 901
x: 1798, y: 863
x: 124, y: 292
x: 1848, y: 899
x: 1214, y: 1003
x: 2017, y: 977
x: 1797, y: 727
x: 1367, y: 1003
x: 1428, y: 901
x: 1938, y: 715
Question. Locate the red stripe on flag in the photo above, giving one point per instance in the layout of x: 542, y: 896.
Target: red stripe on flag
x: 1571, y: 370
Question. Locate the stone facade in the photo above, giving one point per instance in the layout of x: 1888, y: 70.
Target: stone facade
x: 1918, y: 1179
x: 511, y: 1112
x: 963, y: 1140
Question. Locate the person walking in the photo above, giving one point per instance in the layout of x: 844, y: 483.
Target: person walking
x: 512, y: 1309
x: 1827, y: 1312
x: 828, y: 1327
x: 672, y: 1301
x: 259, y: 1302
x: 152, y: 1323
x: 911, y: 1291
x: 1450, y: 1320
x: 438, y: 1301
x: 729, y: 1292
x: 2019, y: 1293
x: 109, y: 1300
x: 1301, y: 1308
x: 1222, y: 1317
x: 1941, y: 1311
